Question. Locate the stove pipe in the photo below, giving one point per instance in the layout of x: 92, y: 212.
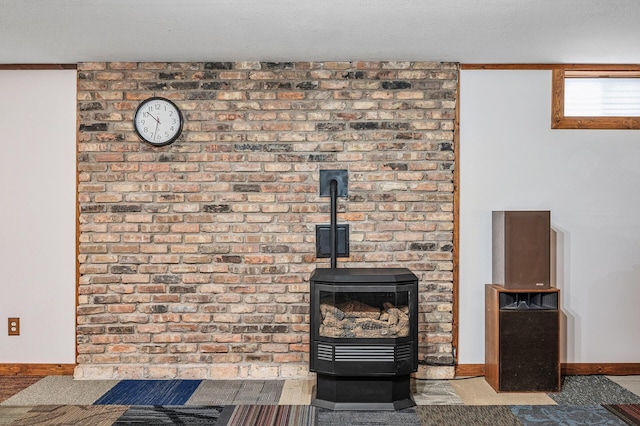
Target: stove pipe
x: 333, y: 231
x: 333, y: 241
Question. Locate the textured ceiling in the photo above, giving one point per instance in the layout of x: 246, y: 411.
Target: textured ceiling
x: 466, y: 31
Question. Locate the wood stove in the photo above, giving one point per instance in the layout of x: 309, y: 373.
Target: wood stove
x: 364, y: 323
x: 364, y: 337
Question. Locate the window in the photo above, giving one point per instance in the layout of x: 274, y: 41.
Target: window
x: 596, y: 98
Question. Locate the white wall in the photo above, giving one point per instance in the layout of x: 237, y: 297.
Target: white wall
x: 511, y: 159
x: 37, y: 214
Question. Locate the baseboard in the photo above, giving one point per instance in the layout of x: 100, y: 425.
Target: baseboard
x: 462, y: 370
x: 469, y: 370
x: 37, y: 369
x: 567, y: 369
x: 612, y: 369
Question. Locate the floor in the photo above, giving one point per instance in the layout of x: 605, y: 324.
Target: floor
x: 21, y: 396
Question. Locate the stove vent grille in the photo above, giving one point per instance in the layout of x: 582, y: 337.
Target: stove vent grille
x: 360, y: 353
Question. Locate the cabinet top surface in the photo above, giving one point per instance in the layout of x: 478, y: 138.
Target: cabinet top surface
x: 501, y: 288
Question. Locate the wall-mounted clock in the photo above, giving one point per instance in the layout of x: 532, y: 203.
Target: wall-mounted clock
x: 158, y: 121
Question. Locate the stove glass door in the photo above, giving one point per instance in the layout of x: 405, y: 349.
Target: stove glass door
x: 364, y: 315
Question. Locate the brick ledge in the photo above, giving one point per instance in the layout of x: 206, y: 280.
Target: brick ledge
x: 224, y: 372
x: 193, y: 371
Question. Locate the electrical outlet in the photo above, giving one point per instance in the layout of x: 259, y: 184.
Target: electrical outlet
x: 14, y: 326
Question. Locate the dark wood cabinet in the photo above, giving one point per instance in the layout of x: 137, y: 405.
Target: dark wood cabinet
x: 521, y: 249
x: 522, y: 339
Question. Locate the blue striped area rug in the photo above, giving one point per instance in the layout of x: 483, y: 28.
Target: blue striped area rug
x: 149, y: 392
x: 270, y: 415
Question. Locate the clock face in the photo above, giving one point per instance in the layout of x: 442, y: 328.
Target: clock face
x: 158, y: 121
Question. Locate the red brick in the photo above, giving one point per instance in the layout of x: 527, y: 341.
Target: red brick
x: 257, y: 149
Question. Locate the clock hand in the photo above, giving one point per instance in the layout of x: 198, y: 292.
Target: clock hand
x: 156, y: 130
x: 153, y: 117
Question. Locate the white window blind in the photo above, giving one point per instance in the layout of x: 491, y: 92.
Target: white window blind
x: 602, y: 97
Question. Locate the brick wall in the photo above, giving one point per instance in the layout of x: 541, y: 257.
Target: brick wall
x: 195, y: 257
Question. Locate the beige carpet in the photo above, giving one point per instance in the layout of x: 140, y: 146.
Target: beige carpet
x: 476, y: 391
x: 631, y: 383
x: 61, y: 390
x: 297, y: 392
